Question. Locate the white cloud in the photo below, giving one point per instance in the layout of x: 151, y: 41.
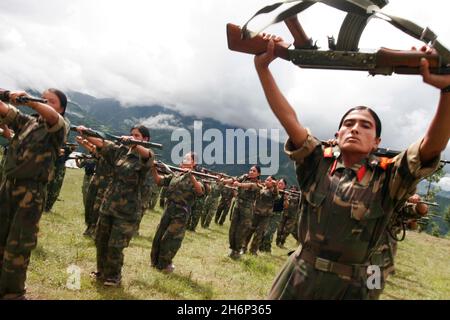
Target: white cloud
x: 444, y: 183
x: 161, y: 121
x: 174, y: 53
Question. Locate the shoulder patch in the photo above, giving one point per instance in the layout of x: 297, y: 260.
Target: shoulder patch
x: 328, y: 152
x: 385, y: 162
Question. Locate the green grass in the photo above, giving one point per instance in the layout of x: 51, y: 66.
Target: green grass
x: 203, y: 270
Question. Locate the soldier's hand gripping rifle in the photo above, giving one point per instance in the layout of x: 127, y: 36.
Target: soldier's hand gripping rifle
x: 165, y: 168
x: 107, y: 136
x: 344, y: 55
x: 5, y: 97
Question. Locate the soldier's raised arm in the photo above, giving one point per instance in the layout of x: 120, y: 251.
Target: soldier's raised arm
x: 438, y: 133
x: 278, y: 103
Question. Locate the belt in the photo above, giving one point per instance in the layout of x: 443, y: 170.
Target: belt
x: 347, y: 271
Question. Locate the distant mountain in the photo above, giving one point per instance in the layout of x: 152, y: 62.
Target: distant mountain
x: 110, y: 116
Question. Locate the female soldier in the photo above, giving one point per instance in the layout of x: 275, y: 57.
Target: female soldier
x: 274, y: 220
x: 263, y: 210
x: 241, y: 221
x: 289, y: 216
x: 182, y: 188
x: 349, y: 193
x: 121, y: 208
x: 29, y: 165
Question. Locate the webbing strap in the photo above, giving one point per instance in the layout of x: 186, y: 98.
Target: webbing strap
x: 363, y: 8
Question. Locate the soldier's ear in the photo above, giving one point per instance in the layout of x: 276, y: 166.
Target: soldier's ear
x: 376, y: 144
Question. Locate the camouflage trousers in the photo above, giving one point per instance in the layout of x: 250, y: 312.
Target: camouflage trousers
x: 385, y: 258
x: 208, y: 212
x: 222, y: 210
x: 153, y: 198
x: 285, y: 228
x: 85, y: 187
x: 169, y: 236
x: 94, y: 199
x: 54, y: 187
x: 112, y: 236
x: 196, y: 213
x: 274, y: 221
x: 299, y: 280
x: 241, y: 223
x: 259, y: 226
x: 21, y: 206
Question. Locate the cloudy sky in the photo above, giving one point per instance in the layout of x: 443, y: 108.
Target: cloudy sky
x: 174, y: 53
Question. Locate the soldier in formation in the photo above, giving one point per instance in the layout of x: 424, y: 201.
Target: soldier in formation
x: 121, y: 208
x: 29, y: 166
x: 182, y: 189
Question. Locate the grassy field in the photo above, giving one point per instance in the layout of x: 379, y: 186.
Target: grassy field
x: 203, y: 270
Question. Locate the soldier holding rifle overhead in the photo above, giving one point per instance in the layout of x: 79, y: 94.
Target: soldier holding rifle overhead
x: 29, y: 166
x: 350, y: 194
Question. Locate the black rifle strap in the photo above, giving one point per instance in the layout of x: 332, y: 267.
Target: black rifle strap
x: 363, y: 8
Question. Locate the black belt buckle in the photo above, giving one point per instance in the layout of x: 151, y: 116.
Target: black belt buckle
x: 322, y: 264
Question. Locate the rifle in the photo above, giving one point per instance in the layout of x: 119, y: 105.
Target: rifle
x: 161, y: 166
x: 5, y: 97
x: 81, y: 156
x: 107, y: 136
x: 386, y: 152
x: 344, y: 55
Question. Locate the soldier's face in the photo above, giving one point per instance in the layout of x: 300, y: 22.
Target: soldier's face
x: 52, y: 101
x: 358, y: 133
x: 137, y: 135
x: 281, y: 185
x: 188, y: 162
x: 253, y: 173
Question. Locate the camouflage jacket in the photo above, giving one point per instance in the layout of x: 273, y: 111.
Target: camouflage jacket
x: 246, y: 197
x: 293, y: 203
x: 124, y: 192
x: 33, y: 150
x: 89, y: 165
x: 345, y: 211
x: 180, y: 191
x: 227, y: 193
x: 265, y: 200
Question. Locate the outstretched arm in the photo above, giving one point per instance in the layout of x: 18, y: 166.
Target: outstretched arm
x: 278, y: 103
x: 438, y: 133
x: 47, y: 112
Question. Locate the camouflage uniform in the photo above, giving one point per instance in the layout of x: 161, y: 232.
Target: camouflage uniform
x: 263, y: 211
x: 196, y: 211
x: 241, y: 220
x: 148, y: 186
x: 162, y: 197
x: 288, y: 219
x: 154, y: 193
x: 121, y: 209
x: 211, y: 203
x: 2, y: 161
x: 54, y: 185
x: 224, y: 205
x: 96, y: 193
x: 172, y: 227
x: 274, y: 221
x: 385, y: 254
x: 344, y: 214
x: 89, y: 171
x: 28, y: 167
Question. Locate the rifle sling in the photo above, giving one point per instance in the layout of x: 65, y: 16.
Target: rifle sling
x: 363, y: 8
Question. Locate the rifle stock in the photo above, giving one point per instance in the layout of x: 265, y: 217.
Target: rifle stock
x: 255, y: 45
